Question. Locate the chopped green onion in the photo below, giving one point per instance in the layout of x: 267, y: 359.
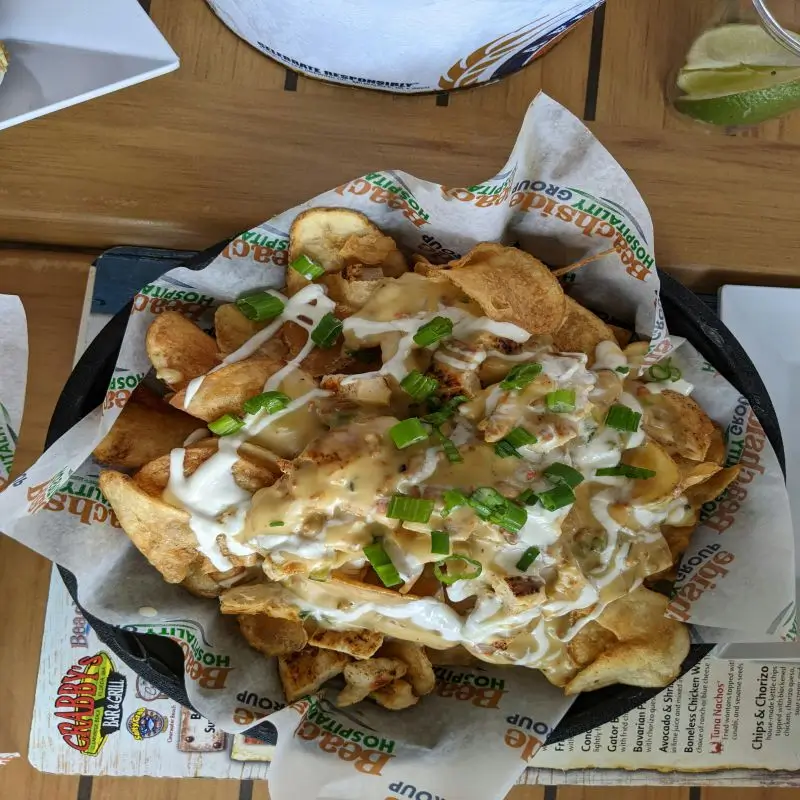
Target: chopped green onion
x: 520, y: 376
x: 408, y: 432
x: 442, y: 414
x: 276, y: 523
x: 440, y: 543
x: 508, y: 445
x: 323, y: 574
x: 622, y: 418
x: 505, y: 450
x: 625, y: 471
x: 448, y: 579
x: 519, y: 437
x: 623, y: 370
x: 511, y: 517
x: 226, y: 425
x: 528, y: 557
x: 453, y: 499
x: 485, y: 501
x: 563, y: 473
x: 449, y: 448
x: 267, y: 401
x: 309, y: 269
x: 675, y: 374
x: 528, y: 498
x: 419, y: 386
x: 431, y: 332
x: 562, y: 401
x: 304, y: 614
x: 327, y: 331
x: 557, y: 497
x: 659, y: 372
x: 382, y: 564
x: 260, y: 306
x: 409, y: 509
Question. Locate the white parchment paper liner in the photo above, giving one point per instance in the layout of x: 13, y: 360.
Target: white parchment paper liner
x: 561, y: 195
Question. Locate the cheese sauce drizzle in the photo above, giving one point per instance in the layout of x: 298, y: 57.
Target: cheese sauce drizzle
x: 534, y: 631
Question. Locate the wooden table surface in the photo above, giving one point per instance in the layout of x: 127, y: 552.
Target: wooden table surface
x: 232, y: 138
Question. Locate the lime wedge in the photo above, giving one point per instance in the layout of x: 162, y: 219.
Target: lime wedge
x: 743, y: 108
x: 717, y: 82
x: 738, y: 44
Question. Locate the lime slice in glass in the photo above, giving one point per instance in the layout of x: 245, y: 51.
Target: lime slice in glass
x: 738, y: 44
x: 742, y: 108
x: 717, y: 82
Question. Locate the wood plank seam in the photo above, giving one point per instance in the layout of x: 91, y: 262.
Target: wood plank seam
x: 290, y: 82
x: 595, y: 63
x: 246, y: 790
x: 550, y: 792
x: 84, y: 788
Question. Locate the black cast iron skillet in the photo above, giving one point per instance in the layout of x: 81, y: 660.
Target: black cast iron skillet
x: 160, y: 661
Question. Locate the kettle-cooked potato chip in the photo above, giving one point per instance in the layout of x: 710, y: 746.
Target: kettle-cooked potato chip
x: 510, y: 285
x: 147, y: 428
x: 179, y: 350
x: 581, y: 331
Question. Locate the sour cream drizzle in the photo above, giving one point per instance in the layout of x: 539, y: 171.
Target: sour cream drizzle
x: 218, y: 506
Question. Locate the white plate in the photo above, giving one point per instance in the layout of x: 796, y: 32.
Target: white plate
x: 766, y: 321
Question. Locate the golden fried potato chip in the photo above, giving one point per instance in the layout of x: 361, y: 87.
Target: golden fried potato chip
x: 147, y: 428
x: 649, y: 651
x: 663, y: 484
x: 363, y: 677
x: 232, y: 329
x: 713, y: 487
x: 258, y: 598
x: 333, y: 237
x: 179, y: 350
x: 581, y: 331
x: 678, y: 538
x: 424, y: 267
x: 225, y: 391
x: 693, y: 472
x: 678, y: 422
x: 272, y: 636
x: 374, y: 249
x: 717, y: 450
x: 160, y: 531
x: 303, y: 672
x: 419, y: 668
x: 212, y: 584
x: 395, y: 696
x: 622, y: 335
x: 251, y: 472
x: 321, y: 360
x: 510, y: 286
x: 357, y: 643
x: 350, y: 289
x: 589, y: 642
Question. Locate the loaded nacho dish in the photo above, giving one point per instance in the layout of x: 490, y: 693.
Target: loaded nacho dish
x: 395, y: 464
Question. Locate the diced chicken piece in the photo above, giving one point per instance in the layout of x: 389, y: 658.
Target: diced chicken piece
x: 360, y: 644
x: 373, y: 390
x: 420, y: 670
x: 396, y: 696
x: 304, y: 672
x: 363, y: 677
